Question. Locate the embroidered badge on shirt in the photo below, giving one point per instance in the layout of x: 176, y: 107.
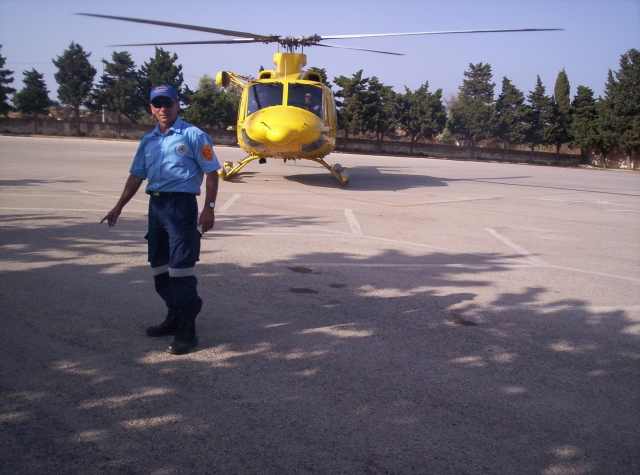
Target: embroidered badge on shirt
x: 181, y: 149
x: 207, y: 152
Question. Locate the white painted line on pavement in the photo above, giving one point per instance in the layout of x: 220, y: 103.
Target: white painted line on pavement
x: 65, y: 197
x: 10, y: 167
x: 540, y: 263
x: 587, y: 201
x: 214, y: 233
x: 318, y: 232
x: 91, y: 192
x: 557, y: 308
x: 601, y: 274
x: 493, y: 265
x: 427, y: 246
x: 71, y: 209
x: 353, y: 222
x: 301, y: 235
x: 496, y: 265
x: 535, y: 260
x: 223, y: 209
x: 400, y: 266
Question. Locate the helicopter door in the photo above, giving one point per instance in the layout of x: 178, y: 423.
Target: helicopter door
x: 329, y: 115
x: 306, y: 97
x: 264, y: 95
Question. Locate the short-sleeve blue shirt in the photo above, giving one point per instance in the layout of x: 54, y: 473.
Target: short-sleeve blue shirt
x: 175, y: 161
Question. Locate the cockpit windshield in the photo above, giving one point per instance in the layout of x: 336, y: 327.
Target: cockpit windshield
x: 265, y: 95
x: 306, y: 97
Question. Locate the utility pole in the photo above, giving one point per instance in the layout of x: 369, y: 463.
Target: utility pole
x: 103, y: 61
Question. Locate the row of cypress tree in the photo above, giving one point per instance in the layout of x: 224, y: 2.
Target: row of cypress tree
x: 122, y: 89
x: 603, y: 124
x: 365, y: 105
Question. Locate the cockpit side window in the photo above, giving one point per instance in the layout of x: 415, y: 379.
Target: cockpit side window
x: 264, y: 95
x: 306, y: 97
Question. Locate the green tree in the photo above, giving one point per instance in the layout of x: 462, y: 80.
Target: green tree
x: 119, y: 89
x: 606, y: 139
x: 161, y: 69
x: 323, y: 75
x: 5, y: 90
x: 350, y: 100
x: 379, y: 113
x: 584, y: 123
x: 421, y: 113
x: 512, y: 115
x: 233, y: 95
x: 75, y: 77
x: 561, y: 116
x: 34, y: 97
x: 621, y: 107
x: 473, y: 117
x: 540, y: 117
x: 210, y: 105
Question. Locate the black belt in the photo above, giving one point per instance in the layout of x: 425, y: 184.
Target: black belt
x: 168, y: 193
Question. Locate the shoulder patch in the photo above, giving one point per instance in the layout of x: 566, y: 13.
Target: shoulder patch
x: 207, y: 152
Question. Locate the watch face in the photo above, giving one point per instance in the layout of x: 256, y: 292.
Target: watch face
x: 212, y: 205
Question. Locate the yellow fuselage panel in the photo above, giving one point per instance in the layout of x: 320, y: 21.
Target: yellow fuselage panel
x: 283, y: 130
x: 289, y: 65
x: 279, y: 123
x: 287, y: 113
x: 283, y: 125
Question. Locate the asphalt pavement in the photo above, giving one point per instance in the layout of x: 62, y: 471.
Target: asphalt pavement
x: 432, y: 317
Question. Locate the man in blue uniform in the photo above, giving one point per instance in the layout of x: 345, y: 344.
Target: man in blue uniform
x: 174, y: 158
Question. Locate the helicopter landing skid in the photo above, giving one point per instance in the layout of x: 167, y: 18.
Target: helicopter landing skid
x: 229, y: 169
x: 339, y: 172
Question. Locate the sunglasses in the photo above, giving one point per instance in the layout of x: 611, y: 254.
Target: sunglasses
x: 158, y: 104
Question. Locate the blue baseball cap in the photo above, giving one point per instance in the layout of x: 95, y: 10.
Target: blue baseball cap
x: 164, y: 90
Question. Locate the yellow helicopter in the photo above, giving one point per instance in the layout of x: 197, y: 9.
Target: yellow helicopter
x: 286, y: 113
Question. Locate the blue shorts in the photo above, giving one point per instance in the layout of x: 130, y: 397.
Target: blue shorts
x: 174, y: 239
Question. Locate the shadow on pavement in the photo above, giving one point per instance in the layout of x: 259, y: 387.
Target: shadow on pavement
x: 364, y: 374
x: 387, y: 178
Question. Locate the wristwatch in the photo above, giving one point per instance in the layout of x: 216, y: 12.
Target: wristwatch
x: 211, y: 204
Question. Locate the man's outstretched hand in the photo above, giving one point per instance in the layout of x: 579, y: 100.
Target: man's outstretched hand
x: 111, y: 217
x: 130, y: 189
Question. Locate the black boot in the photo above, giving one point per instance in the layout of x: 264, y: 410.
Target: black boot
x: 185, y: 338
x: 168, y: 327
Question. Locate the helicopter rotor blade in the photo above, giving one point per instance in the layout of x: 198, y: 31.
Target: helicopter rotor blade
x: 335, y: 37
x: 289, y: 42
x: 212, y: 42
x: 360, y: 49
x: 241, y: 34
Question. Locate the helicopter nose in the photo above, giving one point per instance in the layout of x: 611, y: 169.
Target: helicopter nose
x: 281, y: 135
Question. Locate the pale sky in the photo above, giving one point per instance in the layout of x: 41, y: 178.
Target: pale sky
x: 597, y: 33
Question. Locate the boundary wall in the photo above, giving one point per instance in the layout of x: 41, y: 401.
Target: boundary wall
x: 95, y: 129
x: 352, y: 145
x: 456, y: 152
